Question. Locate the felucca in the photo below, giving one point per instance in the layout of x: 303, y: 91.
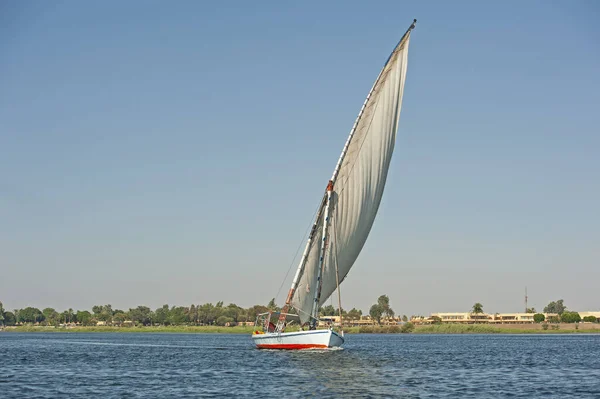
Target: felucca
x: 345, y: 216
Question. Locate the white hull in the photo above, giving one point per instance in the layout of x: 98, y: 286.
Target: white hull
x: 314, y: 339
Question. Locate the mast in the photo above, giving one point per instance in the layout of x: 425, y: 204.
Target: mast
x: 315, y: 308
x: 300, y: 270
x: 337, y: 282
x: 336, y: 171
x: 324, y: 208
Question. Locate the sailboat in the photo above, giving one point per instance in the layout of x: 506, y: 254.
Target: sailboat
x: 345, y: 216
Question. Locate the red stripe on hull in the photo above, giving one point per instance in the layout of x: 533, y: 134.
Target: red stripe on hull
x: 290, y: 346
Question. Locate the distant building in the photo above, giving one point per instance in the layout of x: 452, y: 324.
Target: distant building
x: 363, y: 321
x: 478, y: 318
x: 586, y: 314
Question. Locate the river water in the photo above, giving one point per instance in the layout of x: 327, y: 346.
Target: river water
x: 115, y: 365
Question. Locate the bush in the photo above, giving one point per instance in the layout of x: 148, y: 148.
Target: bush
x: 538, y: 317
x: 590, y: 319
x: 393, y: 330
x: 555, y: 326
x: 545, y: 326
x: 570, y: 317
x: 407, y: 328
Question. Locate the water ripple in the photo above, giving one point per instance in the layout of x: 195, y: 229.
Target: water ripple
x: 371, y: 366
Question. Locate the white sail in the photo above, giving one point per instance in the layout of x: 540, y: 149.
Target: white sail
x: 358, y: 184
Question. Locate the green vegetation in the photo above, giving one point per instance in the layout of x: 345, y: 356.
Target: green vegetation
x: 218, y: 318
x: 328, y: 310
x: 165, y: 316
x: 194, y: 315
x: 353, y: 314
x: 138, y: 329
x: 477, y: 308
x: 407, y: 328
x: 555, y: 307
x: 570, y: 317
x: 381, y: 308
x: 538, y: 317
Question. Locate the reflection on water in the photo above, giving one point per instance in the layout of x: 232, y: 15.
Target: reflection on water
x: 207, y: 365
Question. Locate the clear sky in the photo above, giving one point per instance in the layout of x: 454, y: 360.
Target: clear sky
x: 155, y: 152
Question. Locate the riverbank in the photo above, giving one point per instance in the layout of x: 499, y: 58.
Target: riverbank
x: 144, y: 329
x: 563, y: 328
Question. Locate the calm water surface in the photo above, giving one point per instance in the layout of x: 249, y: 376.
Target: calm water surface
x: 213, y: 365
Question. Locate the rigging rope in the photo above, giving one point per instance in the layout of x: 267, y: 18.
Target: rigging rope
x: 297, y: 250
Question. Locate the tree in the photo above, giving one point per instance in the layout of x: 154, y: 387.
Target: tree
x: 530, y: 310
x: 384, y: 302
x: 178, y: 315
x: 590, y: 319
x: 51, y: 316
x: 9, y: 319
x: 376, y: 312
x: 555, y: 307
x: 234, y: 311
x: 193, y: 314
x: 119, y: 318
x: 1, y: 314
x: 84, y: 317
x: 354, y: 314
x: 404, y: 318
x: 436, y: 320
x: 30, y: 315
x: 105, y: 314
x: 477, y: 308
x: 142, y: 315
x: 273, y: 306
x: 538, y: 317
x: 161, y: 315
x: 97, y: 309
x: 222, y: 320
x: 207, y: 313
x: 327, y: 310
x: 570, y: 317
x: 256, y: 310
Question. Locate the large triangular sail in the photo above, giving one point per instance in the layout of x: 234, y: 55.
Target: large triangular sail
x: 358, y: 183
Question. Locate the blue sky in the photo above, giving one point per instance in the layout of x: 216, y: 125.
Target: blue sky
x: 158, y: 153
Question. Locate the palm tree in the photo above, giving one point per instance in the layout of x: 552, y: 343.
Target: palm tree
x: 477, y: 308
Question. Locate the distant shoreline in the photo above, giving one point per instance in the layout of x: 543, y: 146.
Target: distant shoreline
x: 562, y: 328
